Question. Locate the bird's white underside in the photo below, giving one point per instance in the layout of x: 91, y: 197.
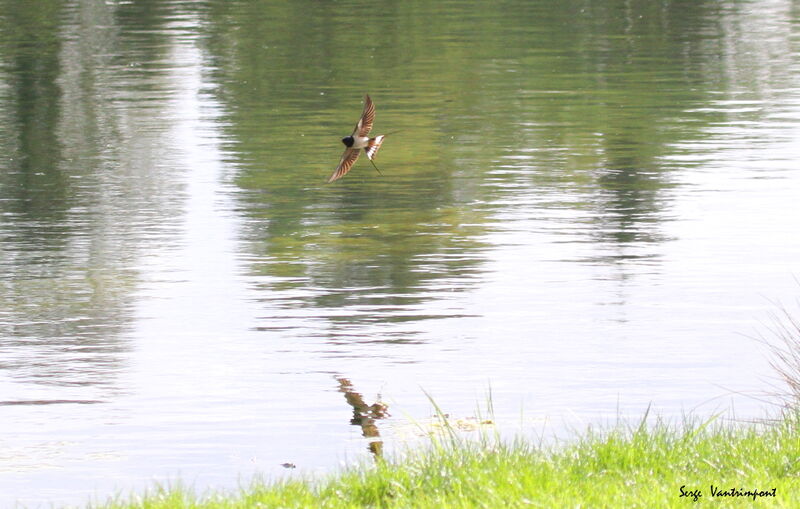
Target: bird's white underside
x: 360, y: 142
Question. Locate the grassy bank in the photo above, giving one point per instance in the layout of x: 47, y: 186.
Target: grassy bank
x: 642, y: 467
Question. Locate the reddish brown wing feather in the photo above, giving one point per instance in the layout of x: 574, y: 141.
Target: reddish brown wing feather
x: 348, y: 158
x: 364, y: 125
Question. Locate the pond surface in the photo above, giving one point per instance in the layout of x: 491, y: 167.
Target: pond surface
x: 586, y: 208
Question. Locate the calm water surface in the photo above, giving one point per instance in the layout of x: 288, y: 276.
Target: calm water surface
x: 588, y: 207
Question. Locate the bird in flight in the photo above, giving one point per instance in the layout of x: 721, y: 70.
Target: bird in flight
x: 358, y: 140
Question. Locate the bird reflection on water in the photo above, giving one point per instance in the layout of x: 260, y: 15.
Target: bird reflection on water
x: 365, y: 415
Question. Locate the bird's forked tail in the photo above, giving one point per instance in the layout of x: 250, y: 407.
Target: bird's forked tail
x: 373, y: 146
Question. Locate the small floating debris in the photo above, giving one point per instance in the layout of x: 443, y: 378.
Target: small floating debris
x: 439, y: 424
x: 460, y: 423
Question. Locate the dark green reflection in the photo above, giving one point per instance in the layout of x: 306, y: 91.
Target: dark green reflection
x: 30, y: 53
x: 506, y: 112
x: 293, y: 85
x: 504, y: 109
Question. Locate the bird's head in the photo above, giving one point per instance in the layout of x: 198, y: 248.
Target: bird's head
x: 348, y: 141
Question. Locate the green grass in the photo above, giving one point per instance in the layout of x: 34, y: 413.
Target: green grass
x: 645, y: 466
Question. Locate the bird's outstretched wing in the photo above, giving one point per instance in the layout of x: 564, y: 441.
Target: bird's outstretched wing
x: 348, y: 158
x: 364, y: 125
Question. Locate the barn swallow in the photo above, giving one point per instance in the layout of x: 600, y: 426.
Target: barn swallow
x: 358, y: 140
